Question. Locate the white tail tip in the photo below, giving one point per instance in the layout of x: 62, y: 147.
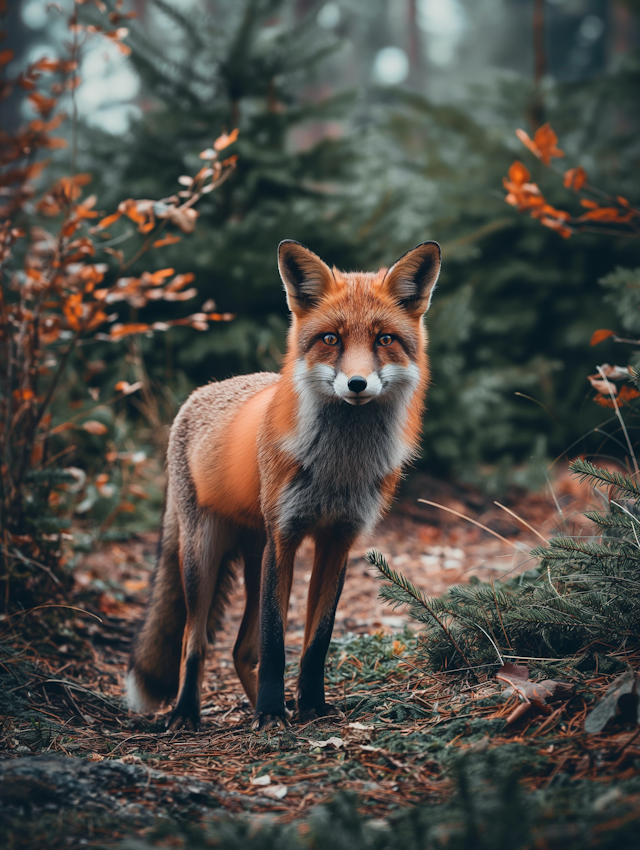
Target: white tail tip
x: 137, y: 699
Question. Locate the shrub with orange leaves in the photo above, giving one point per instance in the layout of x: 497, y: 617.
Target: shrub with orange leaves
x: 616, y: 217
x: 57, y: 288
x: 617, y: 214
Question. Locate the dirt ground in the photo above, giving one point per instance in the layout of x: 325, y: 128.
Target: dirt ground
x: 432, y: 547
x: 72, y: 698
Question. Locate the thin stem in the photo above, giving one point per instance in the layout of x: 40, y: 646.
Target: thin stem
x: 619, y: 415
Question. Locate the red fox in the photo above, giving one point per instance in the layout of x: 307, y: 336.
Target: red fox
x: 260, y: 462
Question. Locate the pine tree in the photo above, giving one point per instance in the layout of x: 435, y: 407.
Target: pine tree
x: 516, y: 304
x: 244, y: 67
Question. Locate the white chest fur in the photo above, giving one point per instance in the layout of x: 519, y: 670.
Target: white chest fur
x: 344, y: 451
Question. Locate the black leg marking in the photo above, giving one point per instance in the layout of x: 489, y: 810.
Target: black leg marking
x: 187, y: 711
x: 311, y: 699
x: 270, y: 712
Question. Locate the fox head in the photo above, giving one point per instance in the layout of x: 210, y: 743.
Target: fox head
x: 356, y: 337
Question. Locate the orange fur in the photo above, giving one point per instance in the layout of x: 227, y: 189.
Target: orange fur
x: 259, y: 462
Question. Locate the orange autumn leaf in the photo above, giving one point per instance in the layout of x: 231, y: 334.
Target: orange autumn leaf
x: 600, y: 335
x: 519, y: 173
x: 140, y: 212
x: 543, y: 144
x: 72, y: 309
x: 590, y: 205
x: 575, y: 178
x: 547, y: 209
x: 169, y: 239
x: 107, y: 220
x: 604, y: 400
x: 119, y: 331
x: 23, y: 394
x: 5, y: 57
x: 627, y: 393
x: 225, y: 140
x: 99, y: 318
x: 179, y: 282
x: 555, y: 224
x: 603, y: 214
x: 156, y: 278
x: 133, y: 586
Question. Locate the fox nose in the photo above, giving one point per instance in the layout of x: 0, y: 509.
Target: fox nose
x: 357, y: 384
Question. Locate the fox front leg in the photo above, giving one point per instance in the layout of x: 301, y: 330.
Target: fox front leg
x: 327, y: 579
x: 275, y: 589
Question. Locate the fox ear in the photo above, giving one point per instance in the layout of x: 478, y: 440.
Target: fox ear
x: 412, y: 279
x: 306, y: 278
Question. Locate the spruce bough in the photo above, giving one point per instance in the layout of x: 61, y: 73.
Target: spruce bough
x: 581, y: 600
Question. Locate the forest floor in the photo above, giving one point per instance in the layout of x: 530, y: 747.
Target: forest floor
x: 62, y: 700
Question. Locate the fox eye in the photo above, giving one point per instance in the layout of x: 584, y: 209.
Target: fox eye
x: 330, y: 339
x: 385, y: 339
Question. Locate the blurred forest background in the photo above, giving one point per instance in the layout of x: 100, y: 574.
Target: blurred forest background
x: 153, y: 153
x: 364, y: 128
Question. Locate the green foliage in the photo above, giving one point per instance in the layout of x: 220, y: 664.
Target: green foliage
x: 582, y: 598
x: 245, y: 68
x: 623, y: 287
x: 516, y: 304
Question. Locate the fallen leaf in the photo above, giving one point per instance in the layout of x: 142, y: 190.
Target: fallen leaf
x: 276, y: 791
x: 613, y: 703
x: 336, y: 743
x: 535, y: 692
x: 261, y: 780
x: 134, y: 586
x: 519, y: 712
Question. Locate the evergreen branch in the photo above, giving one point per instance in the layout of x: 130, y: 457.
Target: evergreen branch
x: 588, y: 472
x: 378, y: 560
x: 612, y: 520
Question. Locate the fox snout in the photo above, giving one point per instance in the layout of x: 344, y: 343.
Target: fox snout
x: 357, y: 389
x: 357, y: 384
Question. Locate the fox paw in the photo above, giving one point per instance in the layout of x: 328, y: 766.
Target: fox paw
x: 187, y: 720
x: 265, y: 721
x: 318, y: 711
